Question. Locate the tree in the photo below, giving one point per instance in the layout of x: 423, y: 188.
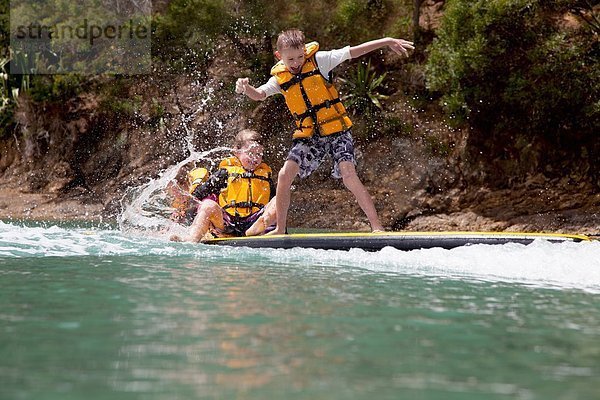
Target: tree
x: 415, y: 19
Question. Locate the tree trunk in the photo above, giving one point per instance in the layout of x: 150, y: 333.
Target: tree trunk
x: 416, y: 16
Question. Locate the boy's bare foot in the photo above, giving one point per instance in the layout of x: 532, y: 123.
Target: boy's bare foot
x: 276, y: 231
x: 257, y: 228
x: 207, y: 236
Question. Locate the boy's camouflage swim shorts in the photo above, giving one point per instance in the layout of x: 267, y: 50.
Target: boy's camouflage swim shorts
x: 310, y: 153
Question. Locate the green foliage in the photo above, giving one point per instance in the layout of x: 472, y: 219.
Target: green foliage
x: 4, y: 28
x: 11, y: 86
x: 6, y: 96
x: 58, y: 36
x: 474, y: 37
x: 117, y: 99
x: 394, y: 126
x: 362, y: 89
x: 55, y: 87
x: 356, y: 19
x: 187, y: 33
x: 332, y: 23
x: 157, y: 111
x: 510, y: 70
x: 361, y: 94
x: 122, y: 107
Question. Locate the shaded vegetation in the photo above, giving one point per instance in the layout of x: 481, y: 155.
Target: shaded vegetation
x: 363, y: 89
x: 527, y: 84
x: 524, y: 82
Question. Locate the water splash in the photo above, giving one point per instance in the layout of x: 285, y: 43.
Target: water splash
x: 146, y: 209
x: 538, y: 265
x: 21, y: 241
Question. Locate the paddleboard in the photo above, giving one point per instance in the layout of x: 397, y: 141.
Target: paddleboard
x: 398, y: 240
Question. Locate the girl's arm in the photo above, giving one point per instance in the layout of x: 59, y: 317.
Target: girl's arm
x: 215, y: 183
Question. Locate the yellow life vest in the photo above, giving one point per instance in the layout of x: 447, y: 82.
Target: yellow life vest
x: 196, y: 177
x: 247, y: 191
x: 181, y: 199
x: 309, y: 97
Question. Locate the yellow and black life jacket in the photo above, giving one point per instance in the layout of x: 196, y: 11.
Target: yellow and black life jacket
x: 181, y: 199
x: 246, y: 191
x: 196, y: 177
x: 310, y: 97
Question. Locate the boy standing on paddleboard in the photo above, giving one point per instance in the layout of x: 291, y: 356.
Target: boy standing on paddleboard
x: 302, y: 76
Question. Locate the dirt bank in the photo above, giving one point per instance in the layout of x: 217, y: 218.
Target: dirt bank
x: 487, y: 216
x: 403, y: 199
x: 74, y: 160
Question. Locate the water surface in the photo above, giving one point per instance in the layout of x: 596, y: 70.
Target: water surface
x: 94, y: 314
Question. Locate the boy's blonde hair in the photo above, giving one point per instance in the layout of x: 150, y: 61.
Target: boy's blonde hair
x: 290, y: 39
x: 244, y: 137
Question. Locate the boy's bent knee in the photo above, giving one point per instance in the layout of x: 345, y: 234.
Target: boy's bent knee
x: 346, y: 168
x: 349, y: 174
x: 287, y: 173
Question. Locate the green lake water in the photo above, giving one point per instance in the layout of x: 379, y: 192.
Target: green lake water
x: 95, y: 314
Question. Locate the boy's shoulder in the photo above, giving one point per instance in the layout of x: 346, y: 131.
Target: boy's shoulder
x: 311, y: 49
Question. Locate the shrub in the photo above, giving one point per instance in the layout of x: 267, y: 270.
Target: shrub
x: 507, y: 68
x: 186, y: 33
x: 362, y: 89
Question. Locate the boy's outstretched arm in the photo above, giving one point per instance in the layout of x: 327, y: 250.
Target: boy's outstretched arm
x: 400, y: 46
x: 243, y: 86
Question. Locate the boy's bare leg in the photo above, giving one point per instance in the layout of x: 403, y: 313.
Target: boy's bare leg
x: 265, y: 220
x: 359, y: 191
x: 210, y: 213
x: 282, y: 201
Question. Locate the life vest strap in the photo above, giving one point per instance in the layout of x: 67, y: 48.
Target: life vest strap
x: 296, y: 79
x: 243, y: 204
x: 336, y: 118
x: 249, y: 175
x: 313, y: 110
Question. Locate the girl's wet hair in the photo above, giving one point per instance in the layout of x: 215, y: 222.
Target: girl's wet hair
x: 244, y: 137
x: 290, y: 39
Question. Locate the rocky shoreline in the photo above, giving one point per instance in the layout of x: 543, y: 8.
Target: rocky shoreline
x: 496, y: 212
x: 412, y: 189
x: 17, y: 205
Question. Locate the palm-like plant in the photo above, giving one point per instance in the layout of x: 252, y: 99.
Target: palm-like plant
x: 363, y: 89
x: 7, y: 95
x: 4, y: 93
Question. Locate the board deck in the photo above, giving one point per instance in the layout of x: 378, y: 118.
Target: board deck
x: 398, y: 240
